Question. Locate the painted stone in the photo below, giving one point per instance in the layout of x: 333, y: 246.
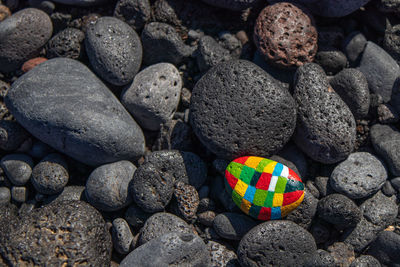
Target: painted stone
x: 263, y: 188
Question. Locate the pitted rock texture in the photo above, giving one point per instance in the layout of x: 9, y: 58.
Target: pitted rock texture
x: 234, y: 104
x: 286, y: 35
x: 69, y: 233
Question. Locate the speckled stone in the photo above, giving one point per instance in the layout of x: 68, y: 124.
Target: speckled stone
x: 286, y: 35
x: 22, y: 36
x: 352, y: 86
x: 114, y: 50
x: 221, y: 255
x: 121, y: 236
x: 134, y: 12
x: 359, y: 176
x: 326, y: 129
x: 50, y: 175
x: 67, y: 43
x: 187, y: 200
x: 162, y: 223
x: 210, y: 53
x: 153, y: 96
x: 263, y: 245
x: 107, y: 187
x: 224, y: 100
x: 17, y: 167
x: 365, y: 261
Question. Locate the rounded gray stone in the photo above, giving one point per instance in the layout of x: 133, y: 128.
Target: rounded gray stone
x: 353, y: 45
x: 232, y: 226
x: 114, y: 50
x: 134, y: 12
x: 107, y: 187
x: 186, y: 201
x: 19, y: 194
x: 359, y: 176
x: 339, y: 210
x: 5, y: 195
x: 121, y: 236
x: 233, y: 107
x: 320, y: 258
x: 304, y: 214
x: 50, y: 175
x: 17, y: 167
x: 385, y: 248
x: 326, y: 129
x: 153, y: 96
x: 352, y: 86
x: 62, y: 103
x: 152, y: 188
x: 67, y: 43
x: 386, y: 142
x: 12, y: 135
x: 162, y: 223
x: 331, y: 60
x: 162, y: 43
x: 171, y: 249
x: 22, y: 36
x: 380, y: 69
x: 183, y: 166
x: 380, y: 210
x: 276, y: 243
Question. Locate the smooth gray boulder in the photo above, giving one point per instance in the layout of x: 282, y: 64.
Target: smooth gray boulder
x: 63, y: 104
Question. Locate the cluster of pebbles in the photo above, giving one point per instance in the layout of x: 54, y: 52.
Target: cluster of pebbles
x: 118, y: 119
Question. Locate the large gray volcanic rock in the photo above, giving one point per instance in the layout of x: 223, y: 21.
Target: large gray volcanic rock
x: 62, y: 103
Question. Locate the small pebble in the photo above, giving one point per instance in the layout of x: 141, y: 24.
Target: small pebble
x: 153, y: 96
x: 187, y: 200
x: 352, y: 86
x: 396, y: 183
x: 286, y: 35
x: 30, y: 64
x: 385, y: 248
x: 135, y: 216
x: 151, y: 188
x: 320, y: 258
x: 339, y: 210
x: 107, y: 187
x: 206, y: 218
x: 388, y: 189
x: 17, y: 167
x: 331, y: 60
x: 232, y: 226
x: 121, y: 236
x: 5, y: 195
x: 162, y: 223
x: 387, y: 114
x: 210, y: 53
x: 162, y: 43
x: 67, y: 43
x: 342, y: 253
x: 4, y: 12
x: 134, y: 12
x: 50, y: 175
x: 353, y: 45
x: 222, y: 256
x: 19, y: 194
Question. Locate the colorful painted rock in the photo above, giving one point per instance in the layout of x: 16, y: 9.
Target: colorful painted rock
x: 263, y: 188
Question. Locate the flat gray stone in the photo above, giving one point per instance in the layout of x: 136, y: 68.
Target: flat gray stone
x: 63, y: 104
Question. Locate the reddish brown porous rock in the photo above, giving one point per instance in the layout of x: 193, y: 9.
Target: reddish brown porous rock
x: 286, y: 35
x: 4, y: 12
x: 31, y: 63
